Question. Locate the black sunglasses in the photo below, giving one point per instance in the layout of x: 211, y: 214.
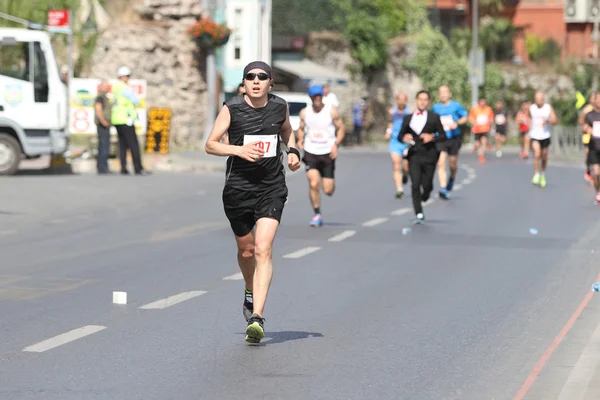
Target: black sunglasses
x: 261, y: 76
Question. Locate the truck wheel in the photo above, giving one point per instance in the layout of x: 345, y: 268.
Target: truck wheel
x: 10, y: 154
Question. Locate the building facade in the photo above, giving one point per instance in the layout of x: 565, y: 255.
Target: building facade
x: 250, y: 40
x: 547, y: 19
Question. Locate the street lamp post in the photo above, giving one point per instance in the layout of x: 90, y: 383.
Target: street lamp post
x: 474, y: 49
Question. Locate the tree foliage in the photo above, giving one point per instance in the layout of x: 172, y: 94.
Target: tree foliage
x: 293, y: 17
x: 368, y: 24
x: 437, y: 64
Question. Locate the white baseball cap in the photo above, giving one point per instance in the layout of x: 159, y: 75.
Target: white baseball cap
x: 123, y: 71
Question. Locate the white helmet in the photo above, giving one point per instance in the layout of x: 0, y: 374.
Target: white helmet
x: 123, y: 71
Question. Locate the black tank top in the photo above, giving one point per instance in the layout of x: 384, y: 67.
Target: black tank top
x: 246, y: 120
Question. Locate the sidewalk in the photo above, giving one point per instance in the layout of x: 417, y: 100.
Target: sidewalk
x: 178, y: 162
x: 196, y: 161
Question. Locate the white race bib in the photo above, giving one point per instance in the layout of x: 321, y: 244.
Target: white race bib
x: 500, y: 119
x: 596, y: 129
x: 317, y: 136
x: 447, y: 121
x: 266, y: 142
x: 482, y: 119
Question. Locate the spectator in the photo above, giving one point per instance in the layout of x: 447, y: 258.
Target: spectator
x: 103, y: 108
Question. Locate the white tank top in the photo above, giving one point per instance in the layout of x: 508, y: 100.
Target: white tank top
x: 539, y: 130
x: 319, y: 133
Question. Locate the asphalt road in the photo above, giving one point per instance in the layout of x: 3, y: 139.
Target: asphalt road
x: 470, y: 305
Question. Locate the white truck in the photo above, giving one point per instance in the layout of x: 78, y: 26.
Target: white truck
x: 33, y: 99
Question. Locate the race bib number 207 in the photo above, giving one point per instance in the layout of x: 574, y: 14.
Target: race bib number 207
x: 266, y: 142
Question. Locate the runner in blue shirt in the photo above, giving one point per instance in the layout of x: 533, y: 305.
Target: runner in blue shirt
x: 396, y: 116
x: 452, y: 115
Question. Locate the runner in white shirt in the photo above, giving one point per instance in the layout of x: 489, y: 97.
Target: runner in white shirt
x: 542, y: 116
x: 317, y: 137
x: 330, y: 99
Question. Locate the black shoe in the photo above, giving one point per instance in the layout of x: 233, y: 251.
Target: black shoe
x: 425, y: 197
x: 255, y: 331
x: 404, y: 179
x: 125, y: 172
x: 248, y: 307
x: 399, y: 194
x: 144, y: 172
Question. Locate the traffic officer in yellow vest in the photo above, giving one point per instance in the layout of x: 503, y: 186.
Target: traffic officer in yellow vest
x: 123, y: 117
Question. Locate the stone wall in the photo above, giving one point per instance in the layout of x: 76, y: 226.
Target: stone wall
x: 155, y: 47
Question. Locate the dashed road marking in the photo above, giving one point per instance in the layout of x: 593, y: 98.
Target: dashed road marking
x: 402, y: 211
x: 234, y: 277
x: 302, y: 252
x: 172, y: 300
x: 64, y: 338
x: 341, y: 236
x: 375, y: 221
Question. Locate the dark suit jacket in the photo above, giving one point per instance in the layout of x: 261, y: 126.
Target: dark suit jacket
x: 432, y: 125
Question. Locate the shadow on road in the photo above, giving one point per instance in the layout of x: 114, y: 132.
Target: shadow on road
x: 286, y: 336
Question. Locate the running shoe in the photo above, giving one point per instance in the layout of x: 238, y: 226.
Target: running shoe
x: 255, y: 331
x: 450, y: 184
x: 536, y: 179
x: 543, y: 181
x: 420, y: 219
x: 404, y: 179
x: 444, y: 194
x: 400, y: 193
x: 317, y: 220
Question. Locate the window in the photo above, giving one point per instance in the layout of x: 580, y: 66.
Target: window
x: 40, y: 74
x: 237, y: 35
x: 14, y: 60
x: 296, y: 107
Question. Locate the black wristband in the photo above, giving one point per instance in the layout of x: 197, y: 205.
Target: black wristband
x: 294, y: 151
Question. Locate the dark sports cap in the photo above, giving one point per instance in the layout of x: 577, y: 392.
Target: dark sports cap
x: 260, y: 65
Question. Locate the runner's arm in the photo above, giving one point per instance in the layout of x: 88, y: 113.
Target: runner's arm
x: 388, y: 132
x: 287, y: 133
x: 339, y: 126
x: 553, y: 119
x: 220, y: 128
x: 464, y: 116
x: 439, y: 127
x: 300, y: 131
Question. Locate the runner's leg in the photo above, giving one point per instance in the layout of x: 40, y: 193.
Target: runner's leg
x: 266, y: 228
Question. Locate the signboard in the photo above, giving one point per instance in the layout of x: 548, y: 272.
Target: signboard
x: 159, y: 130
x: 59, y: 21
x: 83, y: 96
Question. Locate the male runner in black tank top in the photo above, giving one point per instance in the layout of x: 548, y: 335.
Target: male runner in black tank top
x: 255, y: 190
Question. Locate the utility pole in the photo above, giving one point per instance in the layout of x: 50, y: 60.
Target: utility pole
x: 474, y: 50
x: 595, y: 37
x: 211, y: 76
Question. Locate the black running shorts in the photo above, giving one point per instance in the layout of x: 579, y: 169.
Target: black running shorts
x: 478, y: 136
x: 244, y: 207
x: 450, y: 146
x: 544, y: 143
x: 321, y: 162
x: 593, y: 156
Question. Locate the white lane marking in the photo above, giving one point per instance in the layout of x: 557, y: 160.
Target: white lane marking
x: 234, y: 277
x: 64, y: 338
x: 172, y: 300
x: 581, y: 375
x: 428, y: 202
x: 401, y: 211
x: 458, y: 187
x: 3, y: 233
x: 466, y: 181
x: 375, y: 221
x: 341, y: 236
x: 302, y: 252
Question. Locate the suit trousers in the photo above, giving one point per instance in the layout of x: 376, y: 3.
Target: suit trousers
x: 421, y: 168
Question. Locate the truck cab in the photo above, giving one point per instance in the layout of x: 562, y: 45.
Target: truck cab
x: 33, y: 99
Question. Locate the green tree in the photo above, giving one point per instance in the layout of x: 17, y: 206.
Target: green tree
x: 369, y: 24
x: 437, y: 64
